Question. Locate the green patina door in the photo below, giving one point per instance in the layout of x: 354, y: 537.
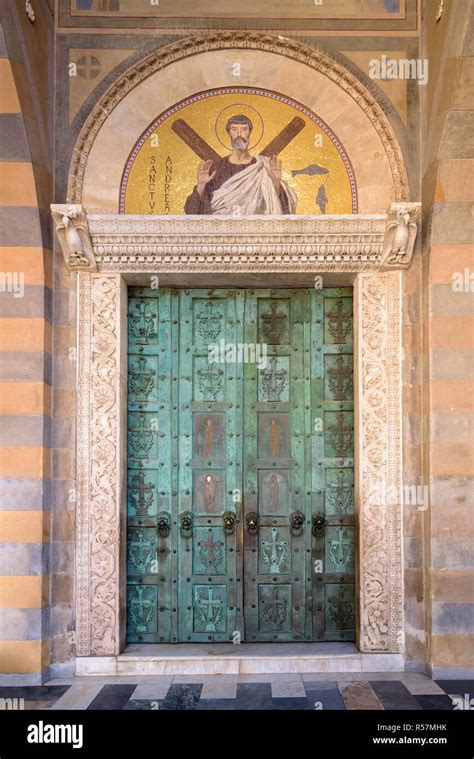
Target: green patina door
x: 240, y: 470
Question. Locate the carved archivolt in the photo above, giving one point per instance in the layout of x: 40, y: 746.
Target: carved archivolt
x: 289, y: 48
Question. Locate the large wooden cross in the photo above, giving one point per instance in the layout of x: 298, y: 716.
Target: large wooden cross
x: 206, y: 153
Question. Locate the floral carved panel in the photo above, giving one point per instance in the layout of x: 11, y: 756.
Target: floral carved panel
x: 378, y: 460
x: 100, y: 478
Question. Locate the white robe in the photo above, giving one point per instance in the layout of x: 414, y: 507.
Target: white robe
x: 251, y: 191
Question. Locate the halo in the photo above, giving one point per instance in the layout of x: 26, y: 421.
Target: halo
x: 233, y: 110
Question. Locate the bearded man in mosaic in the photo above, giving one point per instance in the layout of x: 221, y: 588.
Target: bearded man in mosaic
x: 239, y: 183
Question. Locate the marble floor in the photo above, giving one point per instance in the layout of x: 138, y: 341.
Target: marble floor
x: 369, y: 691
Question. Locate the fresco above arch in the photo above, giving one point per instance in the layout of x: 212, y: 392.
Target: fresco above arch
x: 161, y: 171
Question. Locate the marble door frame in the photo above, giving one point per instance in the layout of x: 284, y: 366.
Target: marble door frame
x: 118, y: 250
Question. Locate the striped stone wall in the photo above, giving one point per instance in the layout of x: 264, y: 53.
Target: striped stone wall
x: 415, y: 643
x: 25, y: 343
x: 447, y: 346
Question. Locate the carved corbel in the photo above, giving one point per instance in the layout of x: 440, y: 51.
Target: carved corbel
x: 73, y: 234
x: 400, y: 235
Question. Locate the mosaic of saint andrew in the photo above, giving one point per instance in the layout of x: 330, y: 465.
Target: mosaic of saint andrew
x: 238, y: 151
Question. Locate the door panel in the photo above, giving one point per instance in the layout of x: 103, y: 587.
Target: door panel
x: 240, y: 471
x: 333, y: 474
x: 210, y: 465
x: 275, y: 559
x: 150, y: 471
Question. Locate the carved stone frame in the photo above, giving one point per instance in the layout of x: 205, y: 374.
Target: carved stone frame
x: 101, y: 456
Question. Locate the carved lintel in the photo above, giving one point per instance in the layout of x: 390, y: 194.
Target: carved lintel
x: 186, y: 244
x: 73, y: 234
x: 400, y: 235
x: 189, y: 244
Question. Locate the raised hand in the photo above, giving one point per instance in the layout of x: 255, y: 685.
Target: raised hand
x: 275, y: 171
x: 204, y: 176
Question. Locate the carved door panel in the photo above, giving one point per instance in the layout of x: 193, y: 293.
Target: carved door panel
x: 152, y: 480
x: 210, y: 465
x: 277, y: 503
x: 333, y: 470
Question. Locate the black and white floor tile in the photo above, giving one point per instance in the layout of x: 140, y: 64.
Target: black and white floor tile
x: 396, y: 691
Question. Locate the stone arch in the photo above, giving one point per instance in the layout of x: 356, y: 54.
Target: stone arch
x: 203, y: 62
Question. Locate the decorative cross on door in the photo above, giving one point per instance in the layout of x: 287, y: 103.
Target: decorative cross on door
x: 277, y: 549
x: 273, y: 380
x: 339, y: 322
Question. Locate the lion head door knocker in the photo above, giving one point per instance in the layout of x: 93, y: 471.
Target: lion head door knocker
x: 252, y: 523
x: 229, y: 520
x: 297, y: 521
x: 318, y: 522
x: 163, y: 524
x: 186, y: 524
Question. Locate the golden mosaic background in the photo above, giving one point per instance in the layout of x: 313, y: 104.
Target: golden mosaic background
x: 164, y: 171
